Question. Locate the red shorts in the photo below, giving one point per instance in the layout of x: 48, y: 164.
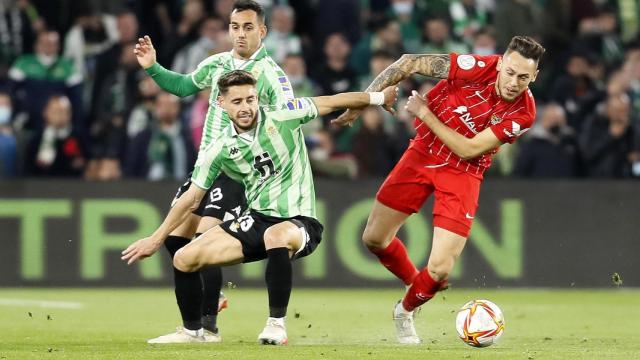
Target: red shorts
x: 417, y: 175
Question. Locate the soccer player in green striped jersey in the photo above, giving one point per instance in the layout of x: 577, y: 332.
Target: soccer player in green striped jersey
x: 264, y: 147
x: 198, y: 299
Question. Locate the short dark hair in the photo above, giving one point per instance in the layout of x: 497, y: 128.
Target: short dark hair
x: 242, y: 5
x: 235, y: 78
x: 526, y: 47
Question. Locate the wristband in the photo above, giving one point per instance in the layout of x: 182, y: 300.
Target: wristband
x: 376, y: 98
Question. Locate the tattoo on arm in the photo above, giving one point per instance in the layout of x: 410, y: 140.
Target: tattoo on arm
x: 429, y: 65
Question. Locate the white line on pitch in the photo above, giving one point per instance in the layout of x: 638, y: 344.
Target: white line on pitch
x: 42, y: 303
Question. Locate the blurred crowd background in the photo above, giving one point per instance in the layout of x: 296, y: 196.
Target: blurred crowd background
x: 75, y: 103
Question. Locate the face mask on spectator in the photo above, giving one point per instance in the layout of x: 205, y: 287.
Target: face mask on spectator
x: 5, y: 115
x: 47, y: 60
x: 402, y: 8
x: 484, y: 51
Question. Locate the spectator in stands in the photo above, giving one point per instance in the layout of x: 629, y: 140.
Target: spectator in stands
x: 280, y: 40
x: 335, y: 75
x: 372, y: 147
x: 385, y: 36
x: 468, y: 17
x: 608, y: 141
x: 35, y: 77
x: 552, y: 148
x: 324, y: 159
x: 437, y: 38
x: 517, y: 17
x: 163, y: 151
x: 337, y: 16
x: 142, y: 114
x: 190, y: 56
x: 19, y: 23
x: 91, y: 35
x: 57, y: 150
x: 8, y: 144
x: 295, y: 67
x: 484, y: 42
x: 406, y: 14
x: 600, y: 35
x: 186, y: 31
x: 576, y: 90
x: 380, y: 59
x: 198, y: 116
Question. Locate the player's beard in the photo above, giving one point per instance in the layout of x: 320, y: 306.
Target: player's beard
x: 248, y: 127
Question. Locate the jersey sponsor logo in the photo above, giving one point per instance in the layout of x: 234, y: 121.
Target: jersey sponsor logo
x: 466, y: 118
x: 460, y: 110
x: 466, y: 62
x: 295, y: 104
x: 469, y: 216
x: 234, y: 151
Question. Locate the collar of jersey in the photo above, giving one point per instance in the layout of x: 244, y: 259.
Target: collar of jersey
x: 258, y: 55
x: 234, y: 133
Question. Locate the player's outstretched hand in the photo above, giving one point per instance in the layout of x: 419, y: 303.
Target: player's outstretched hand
x: 390, y: 98
x: 140, y: 249
x: 347, y: 117
x: 416, y: 105
x: 145, y: 53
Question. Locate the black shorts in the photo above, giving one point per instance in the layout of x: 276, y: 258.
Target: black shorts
x: 225, y: 199
x: 249, y: 230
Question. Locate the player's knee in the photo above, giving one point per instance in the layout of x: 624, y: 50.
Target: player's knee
x: 372, y: 239
x: 440, y: 268
x: 275, y: 238
x: 184, y: 262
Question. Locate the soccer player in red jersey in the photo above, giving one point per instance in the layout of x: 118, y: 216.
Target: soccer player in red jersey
x: 481, y: 103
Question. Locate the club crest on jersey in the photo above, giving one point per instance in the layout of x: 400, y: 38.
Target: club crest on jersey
x: 466, y: 62
x: 495, y: 119
x: 271, y: 130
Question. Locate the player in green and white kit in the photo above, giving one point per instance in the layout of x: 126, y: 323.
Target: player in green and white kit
x: 197, y: 294
x: 264, y: 147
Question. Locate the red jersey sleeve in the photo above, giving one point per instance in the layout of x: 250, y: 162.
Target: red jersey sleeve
x: 473, y: 68
x: 516, y: 123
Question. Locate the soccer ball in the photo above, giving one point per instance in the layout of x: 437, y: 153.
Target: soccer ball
x: 480, y: 323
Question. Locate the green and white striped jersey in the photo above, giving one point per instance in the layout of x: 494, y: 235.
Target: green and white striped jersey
x: 273, y: 86
x: 273, y: 165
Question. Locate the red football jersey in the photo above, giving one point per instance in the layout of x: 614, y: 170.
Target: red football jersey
x: 467, y: 102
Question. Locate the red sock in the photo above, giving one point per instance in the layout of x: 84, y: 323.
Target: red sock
x: 395, y: 258
x: 422, y: 290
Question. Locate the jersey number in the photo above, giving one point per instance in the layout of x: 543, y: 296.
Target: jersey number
x: 264, y: 165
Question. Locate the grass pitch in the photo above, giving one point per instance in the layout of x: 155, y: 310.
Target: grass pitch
x: 322, y: 324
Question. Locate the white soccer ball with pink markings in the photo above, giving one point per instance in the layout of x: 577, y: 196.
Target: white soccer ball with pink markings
x: 480, y: 323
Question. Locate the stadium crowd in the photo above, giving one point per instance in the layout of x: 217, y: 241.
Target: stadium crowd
x: 75, y: 103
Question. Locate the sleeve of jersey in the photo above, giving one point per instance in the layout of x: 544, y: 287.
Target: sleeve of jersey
x: 509, y: 130
x: 296, y: 111
x: 173, y: 82
x: 202, y: 75
x: 473, y: 67
x: 208, y: 165
x: 279, y: 89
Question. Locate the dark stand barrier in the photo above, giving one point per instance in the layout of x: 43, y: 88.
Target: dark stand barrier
x: 556, y: 234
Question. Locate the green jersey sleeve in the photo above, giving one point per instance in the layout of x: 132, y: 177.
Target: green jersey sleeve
x: 295, y: 112
x: 203, y: 75
x: 173, y: 82
x: 209, y: 165
x: 278, y: 89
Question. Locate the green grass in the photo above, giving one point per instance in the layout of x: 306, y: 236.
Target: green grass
x: 332, y: 324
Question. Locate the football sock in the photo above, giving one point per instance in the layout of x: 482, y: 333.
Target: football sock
x: 211, y: 285
x: 278, y: 278
x: 396, y: 259
x: 188, y: 288
x: 422, y: 290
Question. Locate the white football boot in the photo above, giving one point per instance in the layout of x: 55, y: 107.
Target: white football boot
x: 405, y: 329
x: 181, y: 336
x: 274, y: 333
x: 211, y: 337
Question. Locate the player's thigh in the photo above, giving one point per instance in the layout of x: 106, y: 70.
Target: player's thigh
x: 445, y: 250
x: 214, y: 247
x: 188, y: 228
x: 207, y: 223
x: 382, y: 225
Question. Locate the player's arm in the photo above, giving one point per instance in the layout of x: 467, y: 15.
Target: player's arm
x: 434, y: 65
x: 357, y: 100
x: 466, y: 148
x: 178, y: 214
x: 178, y: 84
